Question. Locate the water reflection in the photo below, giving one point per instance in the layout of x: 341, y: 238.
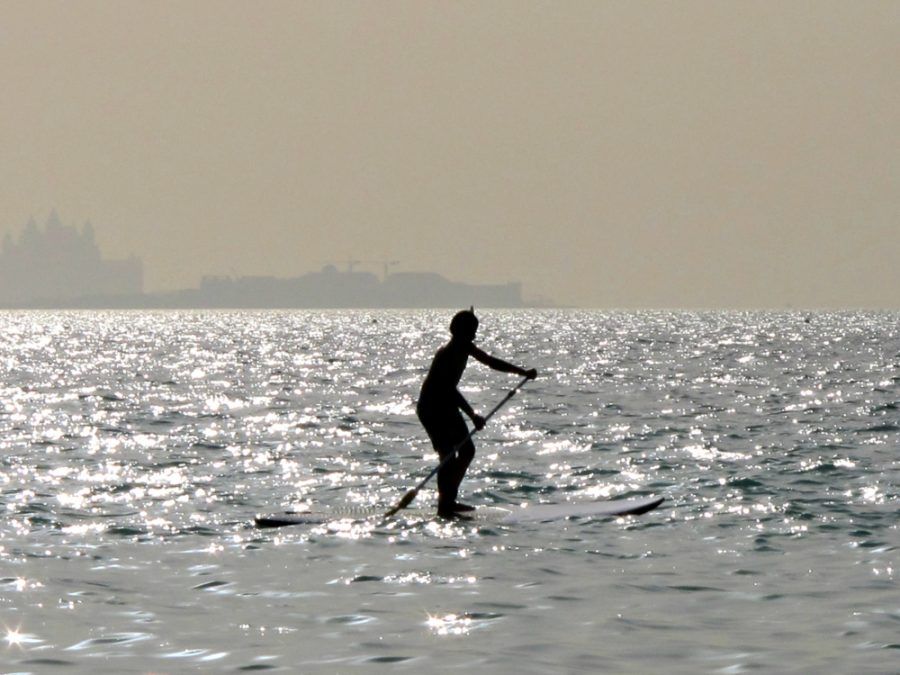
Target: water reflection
x: 135, y: 449
x: 16, y: 638
x: 450, y: 624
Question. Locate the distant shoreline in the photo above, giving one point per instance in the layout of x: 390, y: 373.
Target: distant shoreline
x: 61, y: 267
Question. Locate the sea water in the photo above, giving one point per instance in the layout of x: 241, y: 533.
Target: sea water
x: 136, y: 447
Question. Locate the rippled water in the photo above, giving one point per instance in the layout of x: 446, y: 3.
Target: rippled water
x: 136, y: 448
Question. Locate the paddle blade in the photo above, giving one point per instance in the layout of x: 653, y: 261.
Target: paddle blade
x: 406, y: 501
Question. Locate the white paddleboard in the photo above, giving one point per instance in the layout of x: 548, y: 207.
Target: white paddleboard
x: 546, y: 512
x: 500, y: 514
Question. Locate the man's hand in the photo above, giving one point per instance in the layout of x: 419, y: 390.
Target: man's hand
x: 530, y: 374
x: 478, y: 421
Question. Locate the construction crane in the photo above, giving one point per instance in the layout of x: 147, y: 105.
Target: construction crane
x: 386, y: 265
x: 349, y: 263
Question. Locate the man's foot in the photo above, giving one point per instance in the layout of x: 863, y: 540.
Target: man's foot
x: 451, y: 513
x: 459, y: 506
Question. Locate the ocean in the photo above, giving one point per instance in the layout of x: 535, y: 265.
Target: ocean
x: 138, y: 446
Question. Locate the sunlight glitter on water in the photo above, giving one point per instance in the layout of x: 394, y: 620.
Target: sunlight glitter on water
x: 450, y: 624
x: 136, y: 449
x: 16, y: 638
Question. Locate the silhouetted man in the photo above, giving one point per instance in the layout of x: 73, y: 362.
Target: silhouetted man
x: 440, y: 403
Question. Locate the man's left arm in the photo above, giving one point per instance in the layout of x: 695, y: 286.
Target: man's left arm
x: 499, y: 364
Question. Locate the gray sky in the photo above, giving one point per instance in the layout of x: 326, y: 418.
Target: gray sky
x: 608, y: 154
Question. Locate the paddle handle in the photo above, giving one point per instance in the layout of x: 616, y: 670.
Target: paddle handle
x: 409, y: 496
x: 509, y: 395
x: 451, y: 455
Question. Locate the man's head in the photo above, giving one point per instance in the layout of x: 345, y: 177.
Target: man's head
x: 464, y: 325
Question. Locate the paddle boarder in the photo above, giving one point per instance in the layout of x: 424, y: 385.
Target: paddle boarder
x: 440, y: 403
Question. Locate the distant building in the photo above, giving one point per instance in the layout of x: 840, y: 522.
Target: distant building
x: 331, y: 288
x: 427, y: 289
x: 58, y: 264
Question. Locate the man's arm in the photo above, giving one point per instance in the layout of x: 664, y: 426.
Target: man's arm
x: 499, y: 364
x: 463, y: 405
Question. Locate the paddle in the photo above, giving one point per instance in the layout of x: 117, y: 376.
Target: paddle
x: 409, y: 496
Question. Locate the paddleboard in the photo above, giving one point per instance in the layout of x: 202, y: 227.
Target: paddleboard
x: 499, y: 514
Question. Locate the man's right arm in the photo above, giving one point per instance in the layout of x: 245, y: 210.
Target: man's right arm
x: 501, y: 365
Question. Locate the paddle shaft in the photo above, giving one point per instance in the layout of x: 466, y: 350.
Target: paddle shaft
x: 409, y: 496
x: 509, y: 395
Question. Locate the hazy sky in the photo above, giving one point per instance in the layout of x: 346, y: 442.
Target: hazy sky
x: 608, y: 154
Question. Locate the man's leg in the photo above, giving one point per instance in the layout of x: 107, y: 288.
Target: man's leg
x: 464, y: 457
x: 451, y: 474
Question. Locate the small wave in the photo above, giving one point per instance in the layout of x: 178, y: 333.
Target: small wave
x: 389, y: 659
x: 115, y: 639
x: 879, y: 429
x: 209, y: 585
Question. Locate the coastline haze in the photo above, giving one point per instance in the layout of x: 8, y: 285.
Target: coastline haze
x: 608, y: 154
